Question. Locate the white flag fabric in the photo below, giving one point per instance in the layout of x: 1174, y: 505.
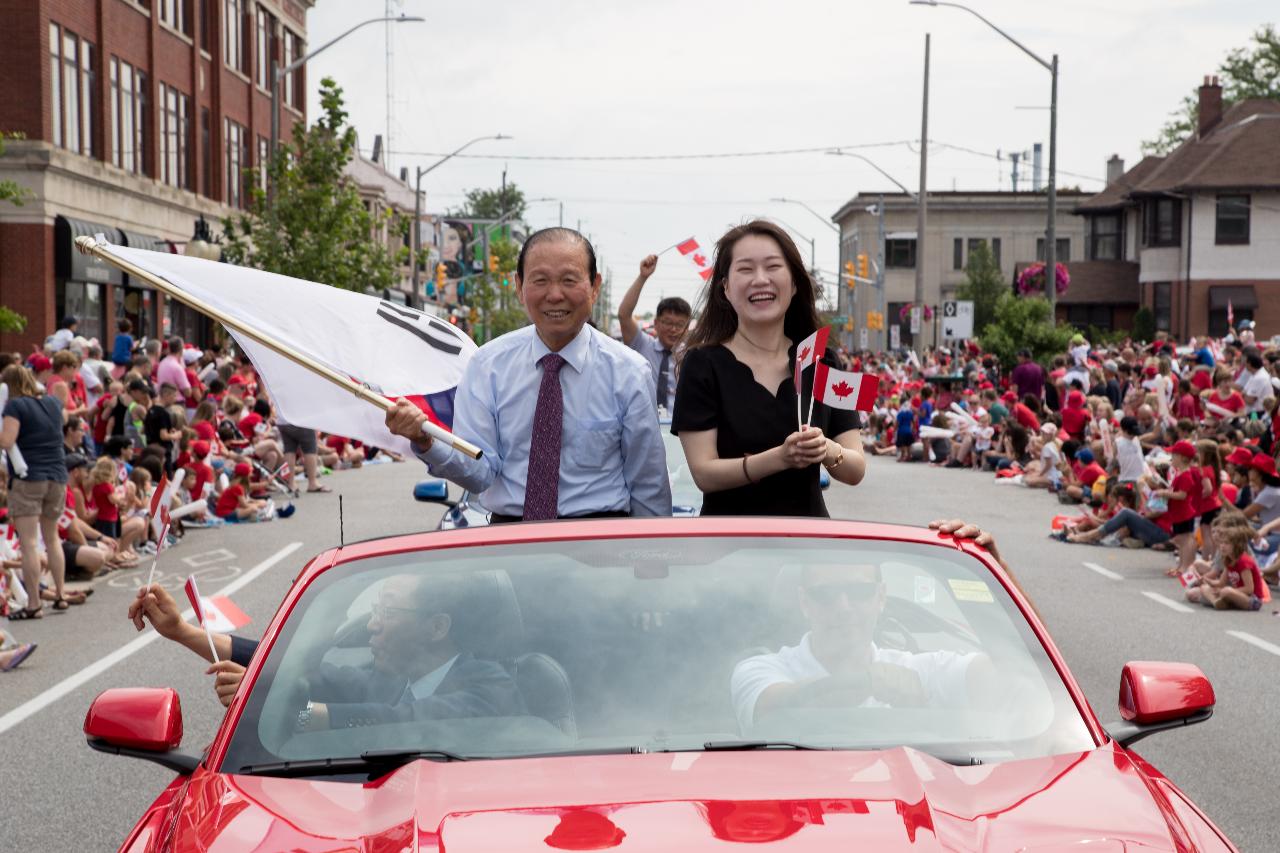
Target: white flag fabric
x: 395, y: 350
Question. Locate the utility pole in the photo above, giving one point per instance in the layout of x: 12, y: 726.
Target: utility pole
x: 884, y: 332
x: 1051, y: 237
x: 922, y: 202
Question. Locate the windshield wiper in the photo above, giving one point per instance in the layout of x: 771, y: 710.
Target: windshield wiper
x: 735, y: 745
x: 366, y: 762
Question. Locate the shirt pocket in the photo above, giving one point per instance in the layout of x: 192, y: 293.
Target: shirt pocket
x: 595, y: 443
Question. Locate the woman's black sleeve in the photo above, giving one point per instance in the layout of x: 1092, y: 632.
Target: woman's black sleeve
x: 697, y: 394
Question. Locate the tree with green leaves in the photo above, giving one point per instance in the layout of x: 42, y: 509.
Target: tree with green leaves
x: 493, y: 204
x: 1024, y: 322
x: 10, y: 191
x: 984, y: 284
x: 314, y: 226
x: 1247, y: 72
x: 493, y: 294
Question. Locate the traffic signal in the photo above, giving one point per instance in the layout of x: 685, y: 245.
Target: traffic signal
x: 862, y: 265
x: 849, y: 272
x: 848, y: 325
x: 440, y: 274
x: 875, y: 321
x: 493, y: 263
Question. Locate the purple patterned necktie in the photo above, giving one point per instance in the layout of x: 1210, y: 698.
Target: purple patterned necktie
x: 542, y: 487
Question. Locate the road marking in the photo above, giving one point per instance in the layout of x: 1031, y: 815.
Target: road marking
x: 207, y: 558
x: 1168, y: 602
x: 1106, y: 573
x: 1254, y: 641
x: 62, y: 688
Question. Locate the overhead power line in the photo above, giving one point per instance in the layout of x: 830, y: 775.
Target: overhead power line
x: 704, y: 156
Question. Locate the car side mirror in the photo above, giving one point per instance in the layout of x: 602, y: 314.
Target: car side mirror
x: 140, y: 722
x: 433, y: 491
x: 1155, y: 696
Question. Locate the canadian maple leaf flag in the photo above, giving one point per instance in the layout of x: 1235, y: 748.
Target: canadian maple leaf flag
x: 691, y: 250
x: 224, y: 617
x: 809, y: 351
x: 193, y: 595
x: 842, y: 389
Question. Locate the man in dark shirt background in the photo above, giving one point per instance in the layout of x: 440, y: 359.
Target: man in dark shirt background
x: 158, y: 424
x: 1028, y: 377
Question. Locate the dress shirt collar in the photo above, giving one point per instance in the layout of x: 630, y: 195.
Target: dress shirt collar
x: 429, y: 683
x: 574, y: 353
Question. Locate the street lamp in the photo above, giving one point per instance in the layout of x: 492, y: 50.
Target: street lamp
x: 825, y: 221
x: 1050, y: 243
x: 277, y: 72
x: 202, y: 244
x: 417, y: 194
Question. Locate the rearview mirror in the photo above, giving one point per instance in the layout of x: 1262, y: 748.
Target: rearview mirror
x: 432, y: 491
x: 1155, y: 696
x: 140, y: 722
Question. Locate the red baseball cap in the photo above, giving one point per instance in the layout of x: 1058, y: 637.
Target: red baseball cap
x: 242, y: 469
x: 1009, y: 397
x: 38, y: 362
x: 1184, y: 448
x: 200, y: 448
x: 1240, y: 456
x: 1265, y: 465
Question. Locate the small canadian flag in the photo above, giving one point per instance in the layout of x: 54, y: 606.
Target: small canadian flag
x: 691, y: 250
x: 842, y: 389
x: 1189, y: 577
x: 809, y: 351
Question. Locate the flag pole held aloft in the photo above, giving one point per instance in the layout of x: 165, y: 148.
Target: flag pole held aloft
x: 90, y: 246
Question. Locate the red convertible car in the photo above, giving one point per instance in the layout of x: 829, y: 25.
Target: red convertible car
x: 663, y: 684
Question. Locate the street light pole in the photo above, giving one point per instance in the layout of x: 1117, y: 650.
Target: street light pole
x: 922, y: 205
x: 277, y: 72
x: 1050, y: 242
x: 825, y: 221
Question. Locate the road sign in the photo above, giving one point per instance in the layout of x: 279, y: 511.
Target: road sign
x: 862, y: 338
x: 957, y: 319
x: 895, y: 336
x: 916, y: 316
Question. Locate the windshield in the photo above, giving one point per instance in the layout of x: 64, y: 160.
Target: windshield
x: 640, y: 645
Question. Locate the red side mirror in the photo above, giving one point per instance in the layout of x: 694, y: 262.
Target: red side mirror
x: 145, y: 718
x: 1156, y: 692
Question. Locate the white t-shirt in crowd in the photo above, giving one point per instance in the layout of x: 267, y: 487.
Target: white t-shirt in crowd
x: 942, y: 674
x: 1129, y: 457
x: 1258, y: 386
x: 1269, y: 499
x: 1050, y: 456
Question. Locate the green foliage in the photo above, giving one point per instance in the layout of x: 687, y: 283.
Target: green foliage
x: 11, y: 321
x: 1024, y: 321
x: 1144, y: 324
x: 10, y: 191
x: 316, y: 227
x: 984, y: 283
x: 498, y: 307
x: 493, y: 204
x: 1247, y: 72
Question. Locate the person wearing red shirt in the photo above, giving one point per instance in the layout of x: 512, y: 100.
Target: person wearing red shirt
x: 1224, y: 397
x: 200, y: 470
x: 1182, y: 494
x: 1188, y: 404
x: 1087, y: 471
x: 1075, y: 417
x: 234, y: 504
x: 1240, y: 586
x: 102, y: 494
x: 1025, y: 417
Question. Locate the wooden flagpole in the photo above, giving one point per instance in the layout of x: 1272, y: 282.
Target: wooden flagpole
x: 90, y: 246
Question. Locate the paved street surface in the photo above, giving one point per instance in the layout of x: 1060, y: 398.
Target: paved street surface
x: 1103, y: 606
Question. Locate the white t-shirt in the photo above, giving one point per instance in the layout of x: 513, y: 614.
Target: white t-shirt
x: 1130, y: 458
x: 1050, y: 456
x: 1258, y: 386
x: 982, y: 438
x: 942, y: 674
x: 1269, y: 499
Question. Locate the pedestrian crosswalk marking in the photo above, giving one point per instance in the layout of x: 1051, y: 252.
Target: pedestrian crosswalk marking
x: 1106, y: 573
x: 1168, y: 602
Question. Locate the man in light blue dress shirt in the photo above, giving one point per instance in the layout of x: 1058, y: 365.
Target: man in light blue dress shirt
x: 563, y: 413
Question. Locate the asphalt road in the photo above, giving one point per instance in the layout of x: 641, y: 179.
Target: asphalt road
x: 1103, y: 607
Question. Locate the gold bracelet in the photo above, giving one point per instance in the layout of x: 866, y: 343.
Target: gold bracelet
x: 839, y: 460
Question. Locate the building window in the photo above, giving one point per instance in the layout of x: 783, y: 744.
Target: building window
x: 205, y: 13
x: 957, y: 254
x: 206, y: 153
x: 1162, y: 222
x: 233, y: 34
x: 292, y: 83
x: 1104, y: 237
x: 900, y: 253
x: 235, y: 161
x: 1162, y: 304
x: 264, y: 34
x: 1063, y: 253
x: 128, y: 116
x: 72, y: 90
x: 1232, y: 220
x: 1083, y: 316
x: 175, y: 133
x: 174, y: 13
x: 264, y: 146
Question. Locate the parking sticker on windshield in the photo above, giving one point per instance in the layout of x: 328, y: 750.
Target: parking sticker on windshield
x: 924, y: 590
x: 971, y: 591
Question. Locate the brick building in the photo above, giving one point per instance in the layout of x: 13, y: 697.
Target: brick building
x: 139, y: 117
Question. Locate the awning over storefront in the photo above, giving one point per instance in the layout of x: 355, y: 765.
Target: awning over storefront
x: 70, y: 264
x: 150, y: 243
x: 1238, y: 295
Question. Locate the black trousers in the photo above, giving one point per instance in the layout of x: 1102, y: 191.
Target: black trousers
x: 499, y: 518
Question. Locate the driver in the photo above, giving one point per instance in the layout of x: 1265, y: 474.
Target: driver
x: 418, y: 671
x: 837, y: 663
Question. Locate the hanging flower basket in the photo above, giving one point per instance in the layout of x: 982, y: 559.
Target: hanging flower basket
x: 1031, y: 280
x: 904, y: 313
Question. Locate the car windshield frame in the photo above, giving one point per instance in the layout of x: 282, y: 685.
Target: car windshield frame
x: 657, y: 553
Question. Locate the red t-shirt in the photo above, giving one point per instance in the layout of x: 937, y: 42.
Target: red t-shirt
x: 1214, y: 501
x: 1187, y: 481
x: 1201, y: 380
x: 69, y: 515
x: 1234, y: 402
x: 1188, y: 407
x: 1074, y: 421
x: 1089, y: 474
x: 1025, y: 416
x: 248, y: 424
x: 204, y: 476
x: 101, y: 414
x: 205, y: 430
x: 336, y: 443
x: 1241, y: 567
x: 229, y: 501
x: 107, y: 511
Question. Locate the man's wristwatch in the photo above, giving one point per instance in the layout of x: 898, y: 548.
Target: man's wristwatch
x: 304, y: 717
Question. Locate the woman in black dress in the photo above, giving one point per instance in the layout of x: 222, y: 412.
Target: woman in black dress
x: 735, y: 407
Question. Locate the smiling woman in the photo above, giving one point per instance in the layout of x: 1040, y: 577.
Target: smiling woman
x: 736, y: 394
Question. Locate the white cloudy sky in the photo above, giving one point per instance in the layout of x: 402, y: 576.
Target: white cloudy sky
x: 599, y: 77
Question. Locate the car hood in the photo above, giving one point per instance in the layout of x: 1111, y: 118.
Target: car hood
x: 891, y: 800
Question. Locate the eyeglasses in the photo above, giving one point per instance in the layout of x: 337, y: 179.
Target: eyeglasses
x: 673, y: 325
x: 379, y: 611
x: 855, y: 591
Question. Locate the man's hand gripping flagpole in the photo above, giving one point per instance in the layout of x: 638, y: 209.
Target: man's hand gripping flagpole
x: 101, y: 249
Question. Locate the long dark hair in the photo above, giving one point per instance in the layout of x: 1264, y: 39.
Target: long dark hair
x: 717, y: 321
